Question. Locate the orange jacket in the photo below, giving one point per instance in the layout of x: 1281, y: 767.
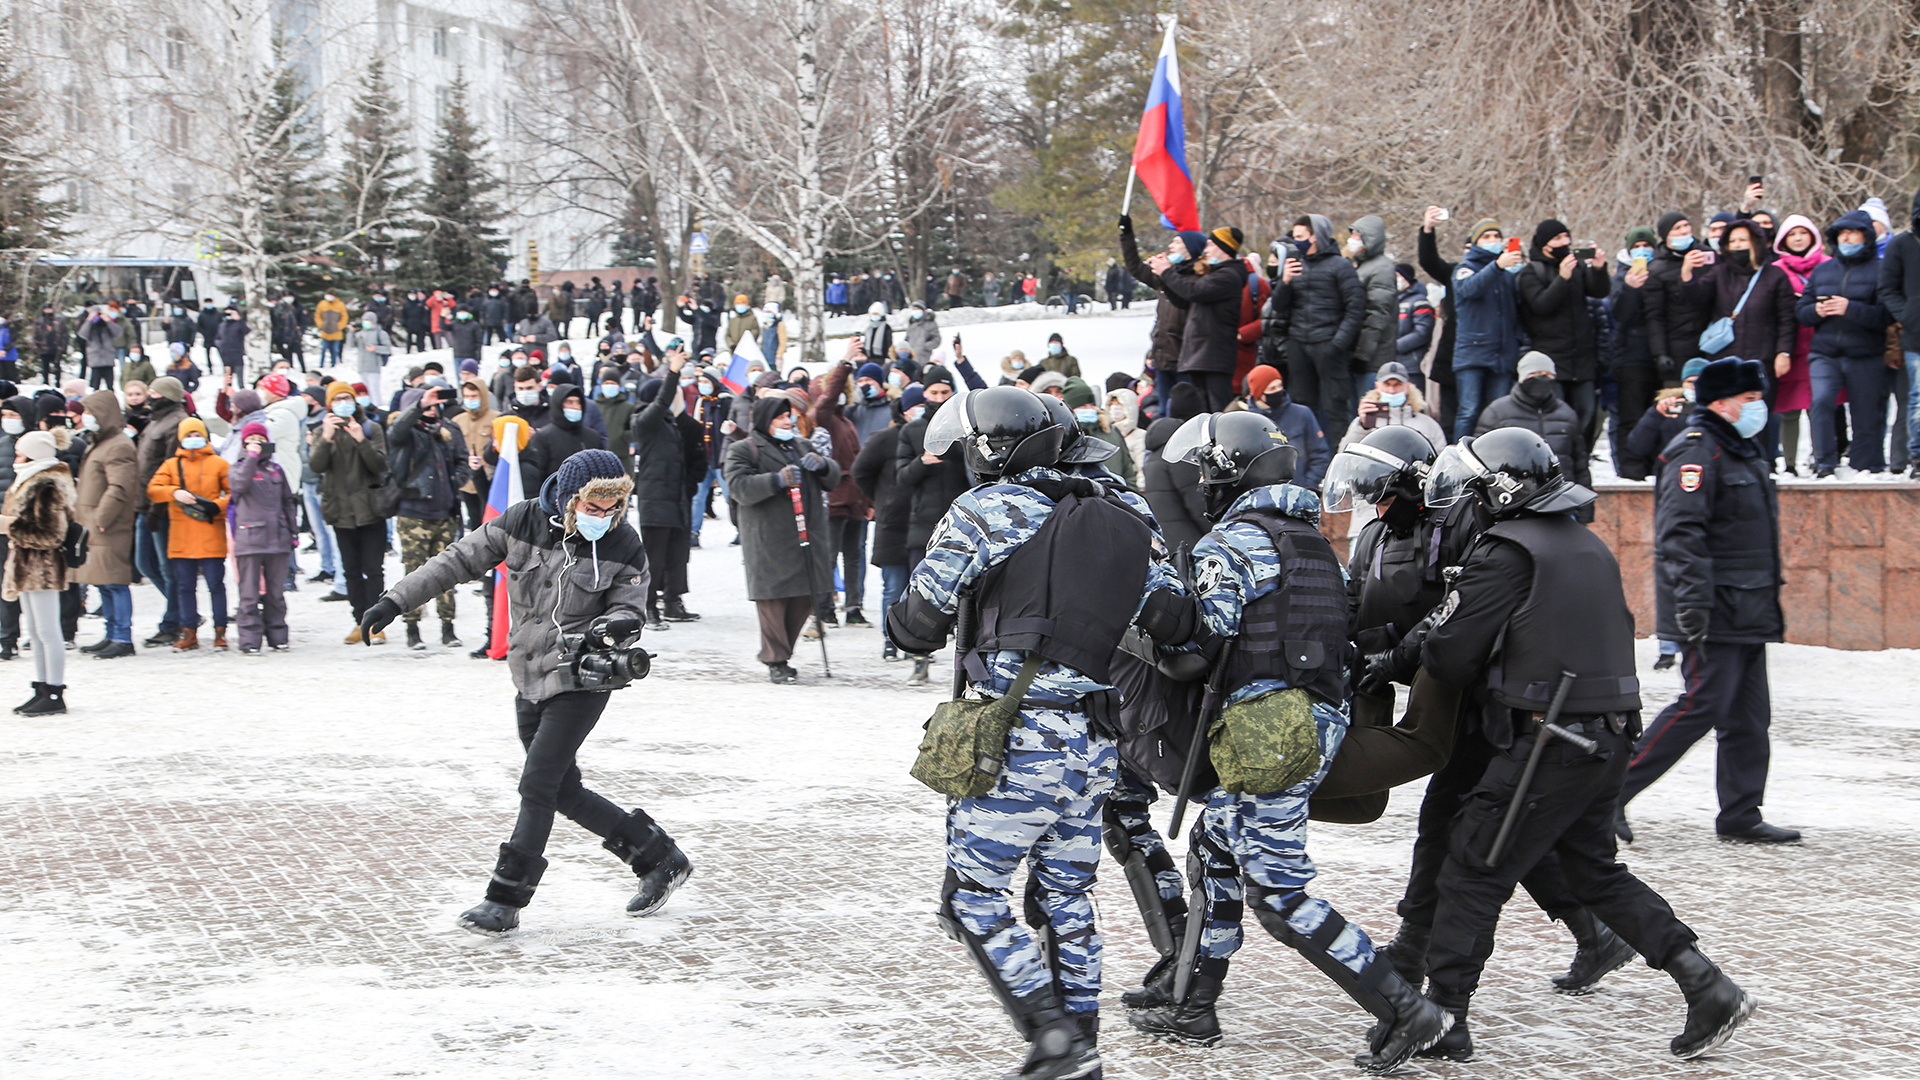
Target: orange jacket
x: 202, y: 472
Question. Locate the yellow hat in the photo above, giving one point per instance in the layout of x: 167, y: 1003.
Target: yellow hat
x: 521, y: 429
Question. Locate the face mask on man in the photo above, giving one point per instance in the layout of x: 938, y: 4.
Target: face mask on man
x: 12, y: 426
x: 1055, y: 349
x: 342, y: 407
x: 88, y: 423
x: 591, y: 527
x: 1087, y: 414
x: 1177, y: 256
x: 527, y: 397
x: 1016, y: 364
x: 706, y: 388
x: 1687, y: 392
x: 916, y: 315
x: 869, y: 392
x: 784, y: 434
x: 1355, y: 245
x: 1680, y: 243
x: 914, y: 413
x: 1492, y: 247
x: 895, y: 379
x: 572, y: 415
x: 1395, y: 399
x: 1851, y: 249
x: 739, y: 309
x: 364, y: 401
x: 471, y: 404
x: 609, y: 390
x: 193, y: 442
x: 1753, y: 417
x: 1640, y: 253
x: 876, y: 318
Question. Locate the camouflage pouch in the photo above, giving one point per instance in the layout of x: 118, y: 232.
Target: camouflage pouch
x: 966, y: 741
x: 1265, y: 744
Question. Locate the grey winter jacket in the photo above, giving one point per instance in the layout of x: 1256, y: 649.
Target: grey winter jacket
x: 265, y: 514
x: 769, y: 537
x: 1379, y: 333
x: 555, y: 584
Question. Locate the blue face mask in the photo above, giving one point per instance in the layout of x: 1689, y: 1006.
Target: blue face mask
x: 194, y: 442
x: 1753, y: 417
x: 1640, y: 253
x: 1087, y: 414
x: 1395, y: 400
x: 472, y: 404
x: 1516, y: 268
x: 593, y: 528
x: 1492, y: 247
x: 1055, y: 349
x: 342, y: 407
x: 1215, y: 262
x: 784, y: 434
x: 1680, y: 243
x: 1850, y: 250
x: 573, y: 414
x: 609, y: 390
x: 365, y: 401
x: 1178, y: 257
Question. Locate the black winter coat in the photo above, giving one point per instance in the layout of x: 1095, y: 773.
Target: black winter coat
x: 1900, y: 282
x: 1650, y: 436
x: 1716, y: 535
x: 1675, y: 316
x: 1211, y: 340
x: 1440, y: 270
x: 559, y: 440
x: 931, y: 488
x: 1628, y: 308
x: 1169, y: 313
x: 1172, y: 490
x: 1553, y: 420
x: 465, y: 336
x: 1766, y: 326
x: 428, y: 459
x: 878, y: 477
x: 1554, y: 313
x: 1861, y: 333
x: 659, y: 461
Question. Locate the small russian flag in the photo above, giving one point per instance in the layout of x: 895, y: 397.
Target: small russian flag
x: 507, y: 489
x: 735, y: 378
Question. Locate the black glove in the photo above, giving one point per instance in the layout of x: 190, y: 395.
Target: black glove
x: 1693, y: 622
x: 1665, y: 365
x: 790, y: 476
x: 377, y: 618
x: 1126, y: 224
x: 814, y: 463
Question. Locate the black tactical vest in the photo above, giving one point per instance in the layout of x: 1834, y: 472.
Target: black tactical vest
x: 1071, y: 591
x: 1297, y: 632
x: 1575, y: 619
x: 1396, y: 578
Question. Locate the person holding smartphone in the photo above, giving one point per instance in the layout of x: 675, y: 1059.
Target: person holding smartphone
x: 1842, y: 304
x: 1675, y: 315
x: 1559, y: 278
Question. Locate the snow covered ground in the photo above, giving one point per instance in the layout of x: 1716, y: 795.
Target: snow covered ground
x: 220, y: 866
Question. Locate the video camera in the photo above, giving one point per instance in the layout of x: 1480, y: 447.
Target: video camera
x: 604, y: 658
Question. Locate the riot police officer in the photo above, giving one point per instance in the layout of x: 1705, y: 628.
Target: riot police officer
x: 1716, y: 524
x: 1056, y: 571
x: 1271, y: 603
x: 1539, y: 613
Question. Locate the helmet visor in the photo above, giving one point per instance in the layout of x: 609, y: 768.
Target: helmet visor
x: 1360, y: 473
x: 1452, y: 471
x: 950, y: 425
x: 1188, y: 443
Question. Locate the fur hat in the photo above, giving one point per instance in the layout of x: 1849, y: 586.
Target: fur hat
x: 1729, y: 378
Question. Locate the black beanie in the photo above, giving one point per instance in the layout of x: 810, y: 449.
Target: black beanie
x: 1119, y: 380
x: 1667, y: 221
x: 1546, y: 231
x: 1406, y: 271
x: 1184, y: 401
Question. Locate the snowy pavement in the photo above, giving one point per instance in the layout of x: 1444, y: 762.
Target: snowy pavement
x: 219, y: 867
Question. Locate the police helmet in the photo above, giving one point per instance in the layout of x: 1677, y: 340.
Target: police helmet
x: 1390, y: 461
x: 1077, y: 447
x: 1512, y: 470
x: 1235, y: 452
x: 1001, y: 430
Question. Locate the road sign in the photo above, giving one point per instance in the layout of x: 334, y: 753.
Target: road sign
x: 697, y: 245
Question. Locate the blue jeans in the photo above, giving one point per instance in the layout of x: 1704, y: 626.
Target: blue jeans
x: 1474, y: 388
x: 116, y: 605
x: 150, y: 558
x: 1913, y: 406
x: 700, y: 498
x: 1865, y: 381
x: 323, y: 536
x: 330, y: 351
x: 186, y: 585
x: 893, y: 585
x: 1362, y: 382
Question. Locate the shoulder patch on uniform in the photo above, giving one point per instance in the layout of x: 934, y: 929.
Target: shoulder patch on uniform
x: 1463, y: 273
x: 1210, y: 573
x: 1446, y: 609
x: 1690, y: 477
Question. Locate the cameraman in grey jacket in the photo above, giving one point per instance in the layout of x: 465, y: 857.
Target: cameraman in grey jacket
x: 574, y: 564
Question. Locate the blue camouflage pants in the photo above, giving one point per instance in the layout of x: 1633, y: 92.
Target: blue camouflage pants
x: 1265, y: 838
x: 1045, y: 807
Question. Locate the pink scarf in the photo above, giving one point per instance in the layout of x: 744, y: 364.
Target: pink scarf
x: 1799, y: 266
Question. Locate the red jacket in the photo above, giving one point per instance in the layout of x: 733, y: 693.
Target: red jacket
x: 1253, y: 299
x: 829, y: 411
x: 440, y: 311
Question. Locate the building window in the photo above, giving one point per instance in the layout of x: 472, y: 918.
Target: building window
x: 182, y: 199
x: 439, y: 41
x: 176, y: 126
x: 442, y: 104
x: 176, y: 48
x: 80, y: 196
x: 73, y: 107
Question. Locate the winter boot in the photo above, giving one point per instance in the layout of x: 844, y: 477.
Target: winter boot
x: 1407, y: 952
x: 413, y: 637
x: 1715, y: 1004
x: 1057, y: 1048
x: 1417, y: 1024
x: 1156, y: 990
x: 855, y: 618
x: 1622, y: 830
x: 677, y: 611
x: 161, y: 639
x: 52, y: 702
x: 1599, y: 952
x: 515, y: 875
x: 1191, y: 1022
x: 188, y: 640
x: 658, y: 862
x: 889, y: 653
x: 219, y: 637
x: 782, y: 674
x: 115, y: 650
x: 919, y: 673
x: 39, y: 693
x: 1089, y: 1023
x: 1457, y: 1043
x: 447, y: 637
x: 1665, y: 662
x: 479, y: 654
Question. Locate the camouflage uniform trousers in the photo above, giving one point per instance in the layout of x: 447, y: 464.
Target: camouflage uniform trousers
x: 420, y: 541
x: 1045, y: 807
x: 1264, y: 839
x: 1127, y: 806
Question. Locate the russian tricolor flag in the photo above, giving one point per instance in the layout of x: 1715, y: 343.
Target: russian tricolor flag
x: 507, y: 489
x: 735, y: 377
x: 1160, y: 150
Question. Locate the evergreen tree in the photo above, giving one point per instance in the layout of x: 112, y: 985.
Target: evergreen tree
x: 29, y: 222
x: 375, y: 182
x: 287, y: 183
x: 456, y: 245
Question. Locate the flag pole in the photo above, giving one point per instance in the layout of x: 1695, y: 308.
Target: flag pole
x: 1127, y: 203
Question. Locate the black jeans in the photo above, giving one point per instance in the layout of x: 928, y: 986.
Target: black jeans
x: 363, y: 552
x: 1726, y: 692
x: 1570, y: 814
x: 1318, y: 377
x: 1216, y: 387
x: 667, y: 554
x: 100, y: 378
x: 552, y: 731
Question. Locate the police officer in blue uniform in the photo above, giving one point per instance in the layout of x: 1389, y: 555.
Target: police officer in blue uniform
x: 1268, y: 588
x: 1057, y: 570
x: 1539, y: 611
x: 1716, y: 524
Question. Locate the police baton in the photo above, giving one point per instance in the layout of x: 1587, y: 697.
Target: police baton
x: 1548, y: 730
x: 1210, y: 707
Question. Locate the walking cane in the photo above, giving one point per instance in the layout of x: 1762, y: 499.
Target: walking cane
x: 806, y: 552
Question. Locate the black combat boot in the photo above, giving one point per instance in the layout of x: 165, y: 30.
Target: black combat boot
x: 1191, y: 1022
x: 1156, y: 989
x: 1457, y: 1043
x: 447, y: 637
x: 1407, y: 952
x: 1417, y: 1024
x: 1057, y: 1049
x: 515, y: 875
x: 656, y: 860
x: 1599, y: 952
x: 677, y: 611
x: 413, y: 636
x: 1715, y: 1004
